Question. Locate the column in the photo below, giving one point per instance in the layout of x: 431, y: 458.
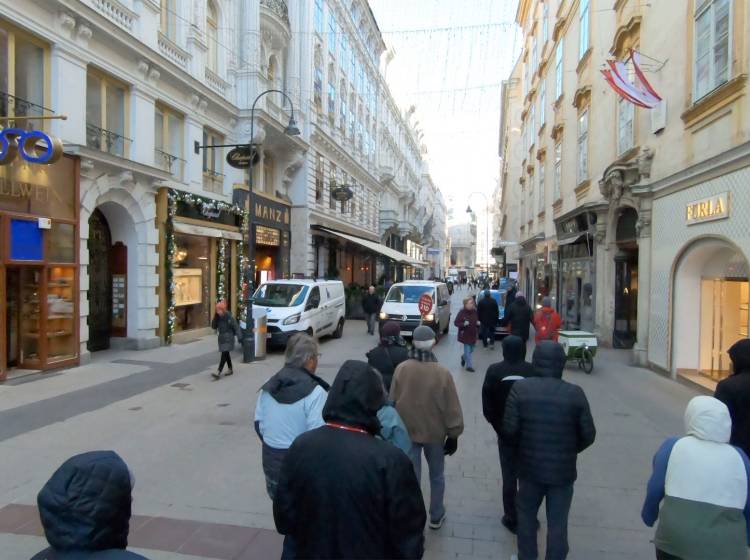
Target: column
x: 142, y: 131
x: 193, y: 162
x: 643, y: 228
x: 68, y: 96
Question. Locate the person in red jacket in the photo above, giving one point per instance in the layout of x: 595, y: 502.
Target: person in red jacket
x: 467, y: 322
x: 547, y: 322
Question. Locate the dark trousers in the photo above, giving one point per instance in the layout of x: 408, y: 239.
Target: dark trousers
x: 225, y: 359
x: 558, y: 499
x: 508, y: 459
x: 661, y: 555
x: 487, y: 334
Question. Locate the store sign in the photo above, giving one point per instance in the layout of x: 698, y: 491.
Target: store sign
x: 242, y: 157
x: 30, y: 191
x: 33, y: 146
x: 271, y: 213
x: 707, y: 209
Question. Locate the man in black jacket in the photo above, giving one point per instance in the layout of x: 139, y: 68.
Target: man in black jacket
x: 734, y: 391
x: 489, y: 314
x: 551, y: 422
x: 371, y: 307
x: 520, y: 317
x: 343, y: 493
x: 498, y: 382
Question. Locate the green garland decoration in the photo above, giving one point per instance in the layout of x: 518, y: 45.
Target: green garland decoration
x: 221, y: 273
x: 168, y: 265
x: 241, y: 259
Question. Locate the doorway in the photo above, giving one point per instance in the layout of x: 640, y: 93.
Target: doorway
x: 23, y: 317
x: 100, y: 283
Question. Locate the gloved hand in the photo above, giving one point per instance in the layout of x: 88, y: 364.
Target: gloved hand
x: 451, y: 446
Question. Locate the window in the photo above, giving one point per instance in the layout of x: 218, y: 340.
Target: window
x: 168, y: 126
x: 332, y: 184
x: 23, y: 65
x: 343, y: 112
x: 583, y: 146
x: 541, y: 194
x: 344, y: 56
x: 105, y: 114
x: 318, y: 89
x: 542, y: 101
x: 331, y: 101
x: 559, y: 70
x: 331, y: 32
x: 545, y: 22
x: 268, y: 174
x: 168, y: 20
x: 712, y: 24
x: 318, y: 16
x: 534, y: 55
x: 558, y: 171
x: 213, y: 179
x: 353, y: 76
x: 583, y: 34
x: 530, y: 206
x: 625, y: 115
x: 526, y: 76
x: 212, y: 37
x: 532, y: 126
x: 319, y: 187
x: 352, y: 122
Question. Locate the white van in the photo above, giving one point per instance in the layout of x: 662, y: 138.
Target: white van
x: 401, y: 305
x: 317, y: 307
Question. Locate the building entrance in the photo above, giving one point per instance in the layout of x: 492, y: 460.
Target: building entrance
x: 724, y: 320
x: 100, y: 283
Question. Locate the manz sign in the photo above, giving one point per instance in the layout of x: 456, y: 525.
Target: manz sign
x: 714, y: 207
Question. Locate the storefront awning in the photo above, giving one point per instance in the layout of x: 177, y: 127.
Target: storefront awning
x: 191, y: 229
x: 397, y: 256
x: 572, y: 239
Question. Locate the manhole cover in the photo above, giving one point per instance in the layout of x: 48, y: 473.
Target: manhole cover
x: 223, y: 404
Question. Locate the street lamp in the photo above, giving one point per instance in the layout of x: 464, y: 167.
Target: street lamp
x: 487, y: 223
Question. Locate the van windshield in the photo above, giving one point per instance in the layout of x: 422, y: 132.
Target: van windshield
x: 409, y: 294
x: 280, y: 295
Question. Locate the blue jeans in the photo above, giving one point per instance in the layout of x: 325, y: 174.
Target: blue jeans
x: 468, y: 349
x: 435, y: 456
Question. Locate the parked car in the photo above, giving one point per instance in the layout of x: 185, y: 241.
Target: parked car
x: 499, y: 296
x: 317, y: 307
x: 401, y: 305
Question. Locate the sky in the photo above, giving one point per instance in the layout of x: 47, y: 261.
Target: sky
x: 450, y: 59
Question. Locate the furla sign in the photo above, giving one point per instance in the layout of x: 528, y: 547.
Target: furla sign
x: 714, y: 207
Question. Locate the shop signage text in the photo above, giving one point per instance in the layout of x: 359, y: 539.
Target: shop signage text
x: 33, y: 146
x: 242, y: 157
x: 32, y: 191
x: 271, y: 213
x: 707, y: 209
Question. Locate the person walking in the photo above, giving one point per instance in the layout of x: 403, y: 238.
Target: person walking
x: 391, y: 351
x: 85, y: 509
x: 343, y: 493
x: 290, y: 403
x: 498, y: 382
x: 427, y: 401
x: 547, y: 322
x: 520, y: 317
x: 510, y: 297
x: 371, y: 307
x: 734, y: 391
x: 226, y: 329
x: 466, y: 321
x: 550, y: 422
x: 488, y: 312
x: 699, y: 489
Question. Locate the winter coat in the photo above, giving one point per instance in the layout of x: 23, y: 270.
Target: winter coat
x: 371, y: 303
x: 385, y: 358
x: 427, y: 400
x: 735, y: 393
x: 510, y: 297
x: 85, y: 509
x: 488, y: 312
x: 392, y: 428
x: 701, y: 483
x: 467, y: 334
x: 226, y: 329
x: 501, y: 377
x: 519, y: 318
x: 547, y: 319
x: 549, y: 420
x: 346, y: 494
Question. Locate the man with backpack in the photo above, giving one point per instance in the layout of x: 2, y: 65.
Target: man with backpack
x: 547, y: 322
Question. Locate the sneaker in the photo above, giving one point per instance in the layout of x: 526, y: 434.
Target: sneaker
x: 435, y: 525
x: 509, y: 524
x: 471, y: 369
x: 216, y: 375
x: 230, y: 372
x: 463, y: 361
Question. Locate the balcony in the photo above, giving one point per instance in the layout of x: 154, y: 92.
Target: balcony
x: 105, y: 140
x: 116, y: 12
x: 173, y: 52
x: 277, y: 8
x: 12, y: 106
x: 213, y: 181
x: 214, y: 81
x: 170, y: 163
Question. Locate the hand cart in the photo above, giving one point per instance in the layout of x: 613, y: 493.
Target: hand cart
x: 581, y: 346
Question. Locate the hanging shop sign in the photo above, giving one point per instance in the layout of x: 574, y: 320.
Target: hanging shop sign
x: 33, y: 146
x: 707, y: 209
x: 342, y: 193
x: 242, y: 157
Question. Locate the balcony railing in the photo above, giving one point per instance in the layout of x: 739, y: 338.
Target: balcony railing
x: 12, y: 106
x: 277, y: 7
x: 213, y: 181
x: 168, y: 162
x: 106, y: 140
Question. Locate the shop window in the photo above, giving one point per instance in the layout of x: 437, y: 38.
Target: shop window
x: 583, y: 16
x: 712, y: 45
x: 62, y: 243
x: 105, y: 114
x: 625, y: 115
x: 168, y: 127
x: 168, y: 20
x: 26, y: 241
x: 583, y: 146
x: 213, y: 178
x: 212, y: 37
x: 192, y: 281
x: 61, y: 340
x: 23, y: 70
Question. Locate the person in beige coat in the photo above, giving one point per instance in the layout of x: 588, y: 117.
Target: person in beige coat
x: 427, y: 401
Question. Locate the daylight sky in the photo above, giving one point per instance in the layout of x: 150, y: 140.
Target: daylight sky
x: 451, y: 56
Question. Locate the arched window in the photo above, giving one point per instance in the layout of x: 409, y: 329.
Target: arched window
x: 212, y: 36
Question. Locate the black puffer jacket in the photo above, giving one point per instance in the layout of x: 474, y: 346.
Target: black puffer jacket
x: 488, y: 311
x: 385, y: 358
x: 519, y: 318
x: 85, y: 509
x: 226, y: 329
x: 734, y: 392
x: 343, y: 493
x: 549, y: 420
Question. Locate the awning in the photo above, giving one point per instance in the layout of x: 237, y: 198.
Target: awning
x: 572, y: 239
x: 190, y: 229
x: 392, y: 254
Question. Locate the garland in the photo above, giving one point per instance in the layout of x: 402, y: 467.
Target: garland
x: 221, y: 272
x: 169, y: 260
x: 241, y: 265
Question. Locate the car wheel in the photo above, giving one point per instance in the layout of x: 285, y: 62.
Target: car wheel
x: 339, y: 332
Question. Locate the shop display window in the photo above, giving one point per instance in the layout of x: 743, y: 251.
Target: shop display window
x: 577, y: 281
x: 29, y: 316
x: 192, y: 282
x: 62, y: 243
x: 61, y: 339
x: 25, y: 241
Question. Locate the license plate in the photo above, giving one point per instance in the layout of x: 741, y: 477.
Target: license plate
x: 406, y: 333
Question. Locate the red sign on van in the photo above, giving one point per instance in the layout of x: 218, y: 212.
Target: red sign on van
x: 425, y: 304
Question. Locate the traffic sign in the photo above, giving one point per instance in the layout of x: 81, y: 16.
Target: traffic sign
x: 425, y: 304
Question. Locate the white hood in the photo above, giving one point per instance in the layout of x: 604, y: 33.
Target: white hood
x: 708, y: 419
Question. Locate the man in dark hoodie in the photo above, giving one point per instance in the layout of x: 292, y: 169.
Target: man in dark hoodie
x: 85, y: 509
x: 551, y: 423
x: 498, y: 382
x: 289, y: 404
x: 342, y: 492
x: 489, y: 314
x: 734, y: 391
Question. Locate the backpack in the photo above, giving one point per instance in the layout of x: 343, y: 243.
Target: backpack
x: 544, y: 330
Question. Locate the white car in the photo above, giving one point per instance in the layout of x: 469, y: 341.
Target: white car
x: 317, y: 307
x: 401, y: 305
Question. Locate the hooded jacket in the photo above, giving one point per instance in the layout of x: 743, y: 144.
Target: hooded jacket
x: 488, y: 311
x: 701, y: 483
x: 519, y: 317
x: 550, y: 319
x: 501, y: 377
x: 85, y: 509
x: 549, y: 419
x: 734, y: 392
x: 385, y: 358
x: 226, y: 329
x: 343, y: 493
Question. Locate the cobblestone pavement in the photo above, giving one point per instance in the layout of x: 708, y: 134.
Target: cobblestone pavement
x: 196, y: 458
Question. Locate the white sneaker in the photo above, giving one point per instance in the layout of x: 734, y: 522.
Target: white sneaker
x: 435, y: 525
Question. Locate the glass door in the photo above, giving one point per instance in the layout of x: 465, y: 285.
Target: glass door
x: 29, y: 323
x: 724, y: 320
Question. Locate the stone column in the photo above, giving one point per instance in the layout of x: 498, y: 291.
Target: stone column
x: 68, y: 96
x: 643, y: 228
x: 142, y: 129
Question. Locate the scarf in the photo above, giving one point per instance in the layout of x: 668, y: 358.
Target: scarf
x: 422, y: 355
x: 393, y: 341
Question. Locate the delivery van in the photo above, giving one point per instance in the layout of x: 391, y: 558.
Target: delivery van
x: 401, y: 305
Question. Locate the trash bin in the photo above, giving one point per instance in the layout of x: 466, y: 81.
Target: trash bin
x: 261, y: 329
